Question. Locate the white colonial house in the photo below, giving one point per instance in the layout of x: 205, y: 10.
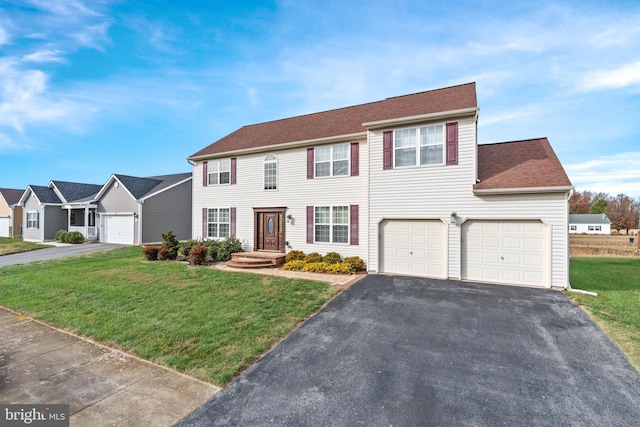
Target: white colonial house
x: 401, y: 183
x: 589, y: 224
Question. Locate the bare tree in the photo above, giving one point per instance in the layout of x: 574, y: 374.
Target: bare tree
x: 623, y: 212
x: 580, y: 202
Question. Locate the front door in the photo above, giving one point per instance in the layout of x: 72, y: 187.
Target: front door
x: 270, y: 229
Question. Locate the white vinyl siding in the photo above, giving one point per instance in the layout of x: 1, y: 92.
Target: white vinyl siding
x: 295, y: 193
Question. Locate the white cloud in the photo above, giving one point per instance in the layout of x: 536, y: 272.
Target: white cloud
x: 48, y: 55
x: 4, y: 36
x: 626, y: 75
x: 618, y: 173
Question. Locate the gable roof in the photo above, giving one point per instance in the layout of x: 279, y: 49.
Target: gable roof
x: 140, y: 188
x: 11, y: 196
x: 530, y: 163
x: 589, y: 219
x: 76, y: 191
x: 45, y: 195
x: 343, y: 121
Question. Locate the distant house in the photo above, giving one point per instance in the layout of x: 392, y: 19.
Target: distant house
x: 589, y: 224
x: 10, y: 212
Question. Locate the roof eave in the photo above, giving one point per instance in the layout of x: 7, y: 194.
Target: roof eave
x: 294, y: 144
x: 521, y: 190
x: 148, y: 196
x: 420, y: 118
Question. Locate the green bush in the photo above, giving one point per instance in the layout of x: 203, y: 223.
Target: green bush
x: 296, y: 264
x: 295, y: 256
x: 212, y: 249
x: 170, y: 242
x: 315, y: 267
x: 357, y: 263
x: 340, y: 268
x: 74, y: 237
x: 228, y: 246
x: 332, y: 258
x: 313, y: 257
x: 150, y: 253
x: 60, y: 234
x: 197, y: 255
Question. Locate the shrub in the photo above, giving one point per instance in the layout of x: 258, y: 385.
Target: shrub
x: 150, y: 253
x: 295, y: 256
x: 340, y: 268
x: 170, y: 242
x: 212, y: 249
x: 227, y: 247
x: 198, y: 255
x: 357, y: 263
x: 164, y: 253
x: 296, y: 264
x: 74, y: 237
x: 313, y: 257
x: 60, y: 234
x: 315, y: 267
x: 332, y: 258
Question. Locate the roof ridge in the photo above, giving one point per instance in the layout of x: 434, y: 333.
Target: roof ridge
x: 518, y: 140
x: 431, y: 90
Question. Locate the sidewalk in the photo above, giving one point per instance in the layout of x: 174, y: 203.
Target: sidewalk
x: 103, y: 387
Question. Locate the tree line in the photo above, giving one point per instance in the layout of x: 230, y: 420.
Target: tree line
x: 623, y: 211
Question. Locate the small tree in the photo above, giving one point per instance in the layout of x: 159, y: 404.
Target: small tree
x: 170, y: 242
x: 599, y: 207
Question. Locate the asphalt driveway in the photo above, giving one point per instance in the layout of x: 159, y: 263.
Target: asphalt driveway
x: 54, y: 252
x: 406, y: 351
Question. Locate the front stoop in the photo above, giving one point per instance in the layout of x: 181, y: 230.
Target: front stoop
x: 256, y: 259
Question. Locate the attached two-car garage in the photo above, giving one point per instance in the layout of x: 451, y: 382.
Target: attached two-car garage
x: 507, y: 252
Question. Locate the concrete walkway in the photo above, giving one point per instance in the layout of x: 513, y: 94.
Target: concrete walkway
x: 103, y: 387
x: 58, y: 251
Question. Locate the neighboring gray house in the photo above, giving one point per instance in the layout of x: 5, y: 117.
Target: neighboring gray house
x: 589, y: 224
x: 134, y: 210
x: 56, y: 207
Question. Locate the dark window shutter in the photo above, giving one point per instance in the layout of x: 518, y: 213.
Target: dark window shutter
x: 355, y: 159
x: 452, y: 143
x: 205, y: 174
x: 205, y: 228
x: 232, y: 214
x: 309, y: 224
x: 310, y: 163
x: 387, y: 149
x: 353, y: 223
x: 233, y: 171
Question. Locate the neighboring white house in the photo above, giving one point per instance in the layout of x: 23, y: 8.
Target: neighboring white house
x: 400, y: 183
x: 589, y: 224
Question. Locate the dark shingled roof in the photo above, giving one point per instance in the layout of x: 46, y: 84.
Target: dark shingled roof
x: 589, y: 219
x: 141, y: 187
x: 519, y: 164
x: 76, y: 191
x: 45, y: 194
x: 343, y: 121
x: 11, y: 196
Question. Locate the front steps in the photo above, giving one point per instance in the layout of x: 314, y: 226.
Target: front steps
x: 256, y: 260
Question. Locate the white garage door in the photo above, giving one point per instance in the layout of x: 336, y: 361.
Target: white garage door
x: 412, y: 247
x: 511, y: 252
x: 4, y: 226
x: 117, y: 229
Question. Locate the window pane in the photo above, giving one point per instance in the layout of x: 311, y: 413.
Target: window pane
x: 340, y: 234
x: 225, y: 165
x: 224, y: 230
x: 341, y: 152
x: 322, y: 154
x: 341, y: 215
x: 405, y: 138
x: 431, y: 155
x: 213, y: 215
x: 322, y: 215
x: 213, y: 230
x: 225, y: 177
x: 270, y: 176
x: 213, y: 178
x: 224, y: 215
x: 430, y: 135
x: 323, y: 169
x: 405, y: 157
x: 341, y: 167
x: 322, y: 233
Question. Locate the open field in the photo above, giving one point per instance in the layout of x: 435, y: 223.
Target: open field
x: 602, y: 246
x: 204, y: 322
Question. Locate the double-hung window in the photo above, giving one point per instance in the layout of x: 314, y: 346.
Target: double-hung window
x: 331, y: 224
x: 419, y: 146
x: 220, y: 172
x: 270, y: 172
x: 218, y: 223
x: 332, y: 160
x: 32, y: 220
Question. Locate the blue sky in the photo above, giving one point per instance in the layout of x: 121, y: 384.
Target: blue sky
x: 88, y: 89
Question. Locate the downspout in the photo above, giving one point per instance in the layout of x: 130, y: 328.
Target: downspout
x: 568, y: 287
x: 140, y: 222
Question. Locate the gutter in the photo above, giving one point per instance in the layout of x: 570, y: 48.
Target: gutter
x: 568, y: 287
x: 521, y: 190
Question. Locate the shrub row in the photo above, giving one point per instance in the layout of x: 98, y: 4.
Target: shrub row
x: 209, y: 250
x: 330, y: 263
x: 65, y: 236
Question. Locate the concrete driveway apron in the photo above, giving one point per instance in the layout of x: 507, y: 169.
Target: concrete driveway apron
x: 407, y: 351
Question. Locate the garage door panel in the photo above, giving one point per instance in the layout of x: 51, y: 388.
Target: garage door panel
x: 413, y: 247
x: 511, y: 252
x: 117, y: 229
x: 5, y: 223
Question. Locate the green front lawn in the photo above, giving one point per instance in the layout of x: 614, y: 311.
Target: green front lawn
x: 9, y: 245
x: 204, y: 322
x: 617, y: 307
